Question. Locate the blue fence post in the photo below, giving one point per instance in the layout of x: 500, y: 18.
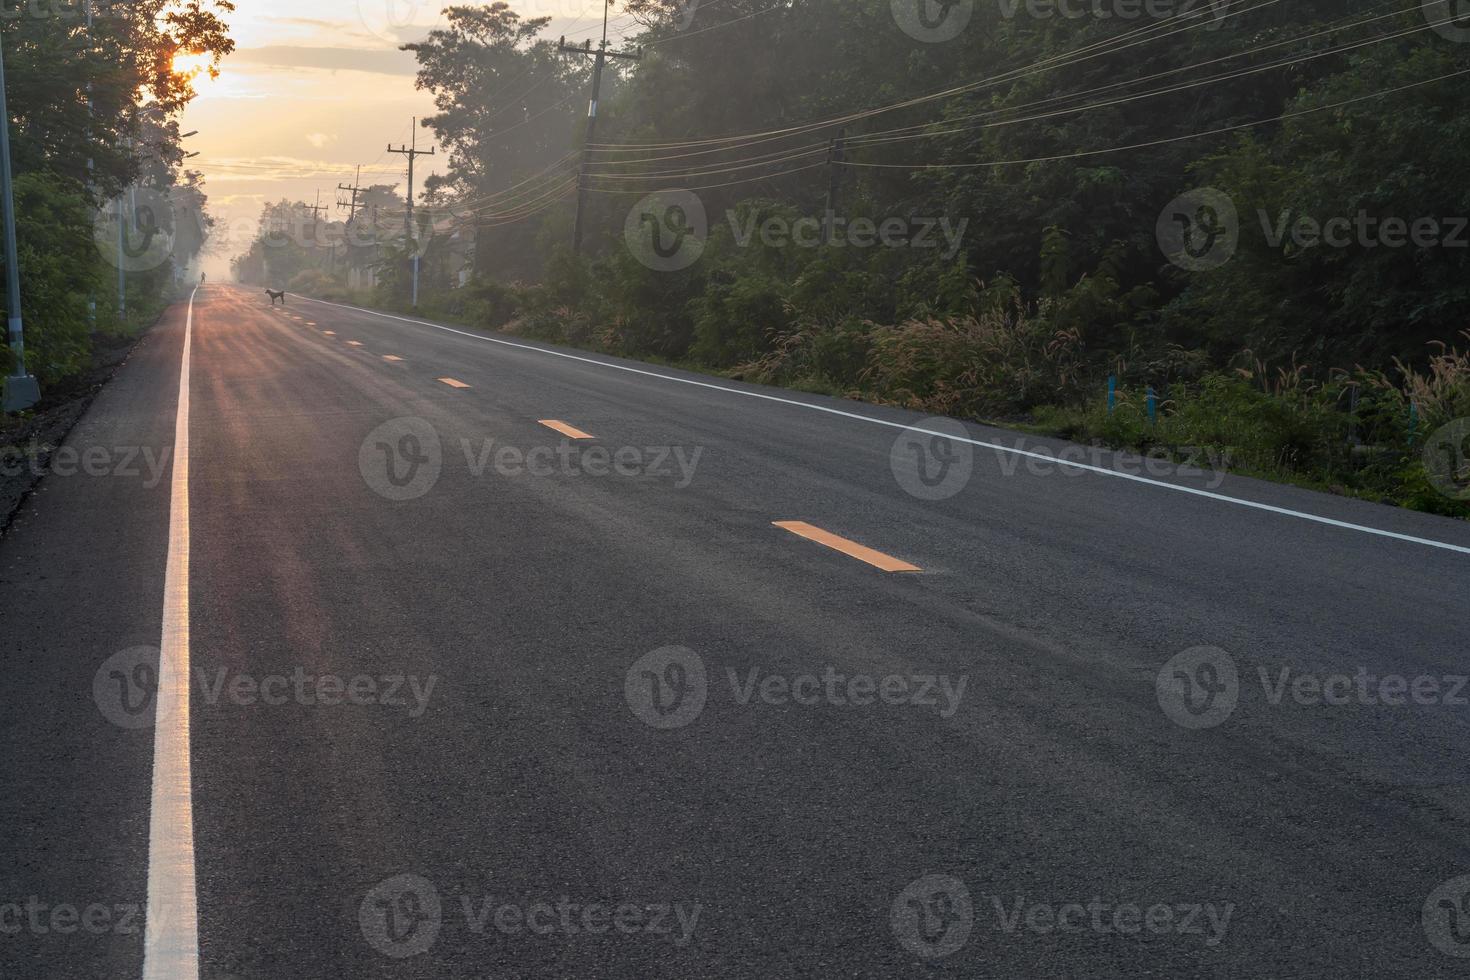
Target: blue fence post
x: 1112, y: 392
x: 1153, y: 405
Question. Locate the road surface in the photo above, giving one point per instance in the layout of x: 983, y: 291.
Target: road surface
x: 505, y: 661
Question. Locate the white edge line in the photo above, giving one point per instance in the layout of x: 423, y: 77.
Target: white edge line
x: 1104, y: 471
x: 171, y: 930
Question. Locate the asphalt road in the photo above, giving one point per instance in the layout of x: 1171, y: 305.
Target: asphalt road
x: 470, y: 697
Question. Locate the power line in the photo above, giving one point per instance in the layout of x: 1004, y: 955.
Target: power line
x: 1066, y: 59
x: 728, y: 183
x: 675, y: 174
x: 1136, y: 81
x: 683, y: 34
x: 926, y: 130
x: 875, y: 139
x: 1161, y: 142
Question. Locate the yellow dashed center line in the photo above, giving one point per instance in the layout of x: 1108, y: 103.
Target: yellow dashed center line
x: 453, y: 383
x: 851, y: 548
x: 354, y: 343
x: 391, y: 357
x: 330, y: 333
x: 570, y: 431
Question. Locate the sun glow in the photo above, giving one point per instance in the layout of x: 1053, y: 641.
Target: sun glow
x: 194, y: 68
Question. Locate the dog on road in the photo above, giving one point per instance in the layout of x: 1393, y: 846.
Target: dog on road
x: 276, y: 294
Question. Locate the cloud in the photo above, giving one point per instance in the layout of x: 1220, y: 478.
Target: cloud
x: 379, y: 61
x: 271, y: 168
x: 311, y: 22
x: 320, y: 140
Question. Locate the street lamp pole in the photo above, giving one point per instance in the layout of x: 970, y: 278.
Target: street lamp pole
x: 21, y: 390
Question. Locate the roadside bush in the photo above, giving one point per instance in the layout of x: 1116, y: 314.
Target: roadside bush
x: 318, y: 283
x: 60, y: 268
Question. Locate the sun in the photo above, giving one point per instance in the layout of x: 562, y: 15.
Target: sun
x: 193, y: 67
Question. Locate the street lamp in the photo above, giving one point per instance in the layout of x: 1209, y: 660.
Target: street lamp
x: 21, y: 389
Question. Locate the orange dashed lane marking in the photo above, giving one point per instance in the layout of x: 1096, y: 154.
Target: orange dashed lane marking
x: 391, y: 357
x: 850, y: 548
x: 570, y: 431
x: 451, y: 382
x: 354, y: 343
x: 330, y: 333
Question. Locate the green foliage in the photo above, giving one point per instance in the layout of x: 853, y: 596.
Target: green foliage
x: 93, y: 111
x: 60, y: 268
x: 318, y: 283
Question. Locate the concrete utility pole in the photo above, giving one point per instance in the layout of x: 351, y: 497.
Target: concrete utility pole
x: 21, y: 390
x: 351, y: 205
x: 355, y: 189
x: 601, y: 55
x: 411, y: 152
x: 316, y: 210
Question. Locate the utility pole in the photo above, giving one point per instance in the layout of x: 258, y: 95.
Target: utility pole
x: 355, y: 190
x: 411, y: 152
x: 835, y: 157
x: 600, y: 55
x: 315, y: 210
x: 21, y: 390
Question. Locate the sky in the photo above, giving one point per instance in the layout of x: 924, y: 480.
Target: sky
x: 315, y: 88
